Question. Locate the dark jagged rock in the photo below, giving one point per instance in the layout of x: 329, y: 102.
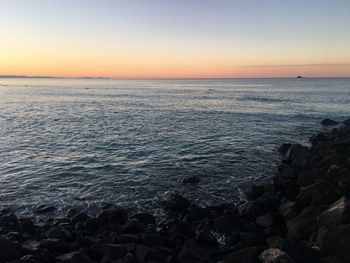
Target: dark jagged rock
x: 283, y: 149
x: 113, y: 215
x: 329, y: 122
x: 144, y: 218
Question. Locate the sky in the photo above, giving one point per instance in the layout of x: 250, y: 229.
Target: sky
x: 175, y: 38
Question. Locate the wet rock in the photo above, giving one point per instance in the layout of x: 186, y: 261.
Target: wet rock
x: 207, y: 237
x: 196, y: 213
x: 114, y: 215
x: 254, y: 191
x: 284, y: 148
x: 92, y: 225
x: 43, y: 209
x: 31, y: 246
x: 133, y: 226
x: 126, y: 238
x: 177, y: 202
x: 8, y: 249
x: 59, y: 233
x: 195, y: 251
x: 298, y: 250
x: 226, y: 224
x: 80, y: 217
x: 190, y: 180
x: 287, y: 210
x: 147, y: 254
x: 247, y: 255
x: 347, y: 122
x: 329, y: 122
x: 145, y: 218
x: 274, y: 255
x: 54, y: 244
x: 74, y: 257
x: 303, y: 224
x: 330, y: 260
x: 320, y: 137
x: 260, y: 206
x: 113, y: 251
x: 305, y: 178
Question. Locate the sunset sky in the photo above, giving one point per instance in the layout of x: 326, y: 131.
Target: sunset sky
x: 175, y: 38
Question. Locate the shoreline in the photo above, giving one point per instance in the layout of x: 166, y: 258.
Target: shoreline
x: 302, y: 216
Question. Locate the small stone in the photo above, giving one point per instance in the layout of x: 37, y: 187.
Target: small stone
x: 74, y: 257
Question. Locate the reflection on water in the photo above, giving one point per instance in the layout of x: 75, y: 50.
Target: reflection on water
x: 82, y: 142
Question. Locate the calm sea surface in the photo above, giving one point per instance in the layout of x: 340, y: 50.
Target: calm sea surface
x: 84, y: 142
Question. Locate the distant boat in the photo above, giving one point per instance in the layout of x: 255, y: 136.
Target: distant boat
x: 300, y: 77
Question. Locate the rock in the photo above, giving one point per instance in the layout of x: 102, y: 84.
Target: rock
x: 92, y: 225
x: 113, y: 251
x: 266, y: 220
x: 146, y: 254
x: 330, y: 260
x: 59, y: 233
x: 8, y: 249
x: 226, y: 224
x: 196, y: 213
x: 338, y: 213
x: 190, y: 180
x: 263, y: 205
x: 205, y: 236
x: 298, y: 250
x: 56, y: 245
x: 43, y: 209
x: 302, y: 225
x: 254, y: 191
x: 145, y: 218
x: 177, y: 203
x: 320, y: 137
x: 74, y: 257
x: 133, y: 226
x: 81, y: 217
x: 31, y: 246
x: 287, y: 210
x: 284, y: 148
x: 329, y: 122
x: 194, y: 251
x: 274, y: 255
x: 305, y: 178
x: 114, y: 215
x: 335, y: 241
x: 247, y: 255
x: 347, y: 122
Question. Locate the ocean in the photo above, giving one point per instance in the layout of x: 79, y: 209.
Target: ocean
x: 85, y: 142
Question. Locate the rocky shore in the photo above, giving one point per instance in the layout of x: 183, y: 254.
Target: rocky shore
x: 303, y: 216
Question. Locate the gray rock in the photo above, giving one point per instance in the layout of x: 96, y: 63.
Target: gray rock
x: 8, y: 249
x: 247, y: 255
x: 177, y: 202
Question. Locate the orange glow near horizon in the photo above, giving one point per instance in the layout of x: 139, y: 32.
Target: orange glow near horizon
x: 167, y: 39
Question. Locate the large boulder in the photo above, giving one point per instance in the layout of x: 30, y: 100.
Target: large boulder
x: 263, y: 205
x: 113, y: 215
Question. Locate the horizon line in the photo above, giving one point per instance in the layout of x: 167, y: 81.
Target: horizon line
x: 111, y: 78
